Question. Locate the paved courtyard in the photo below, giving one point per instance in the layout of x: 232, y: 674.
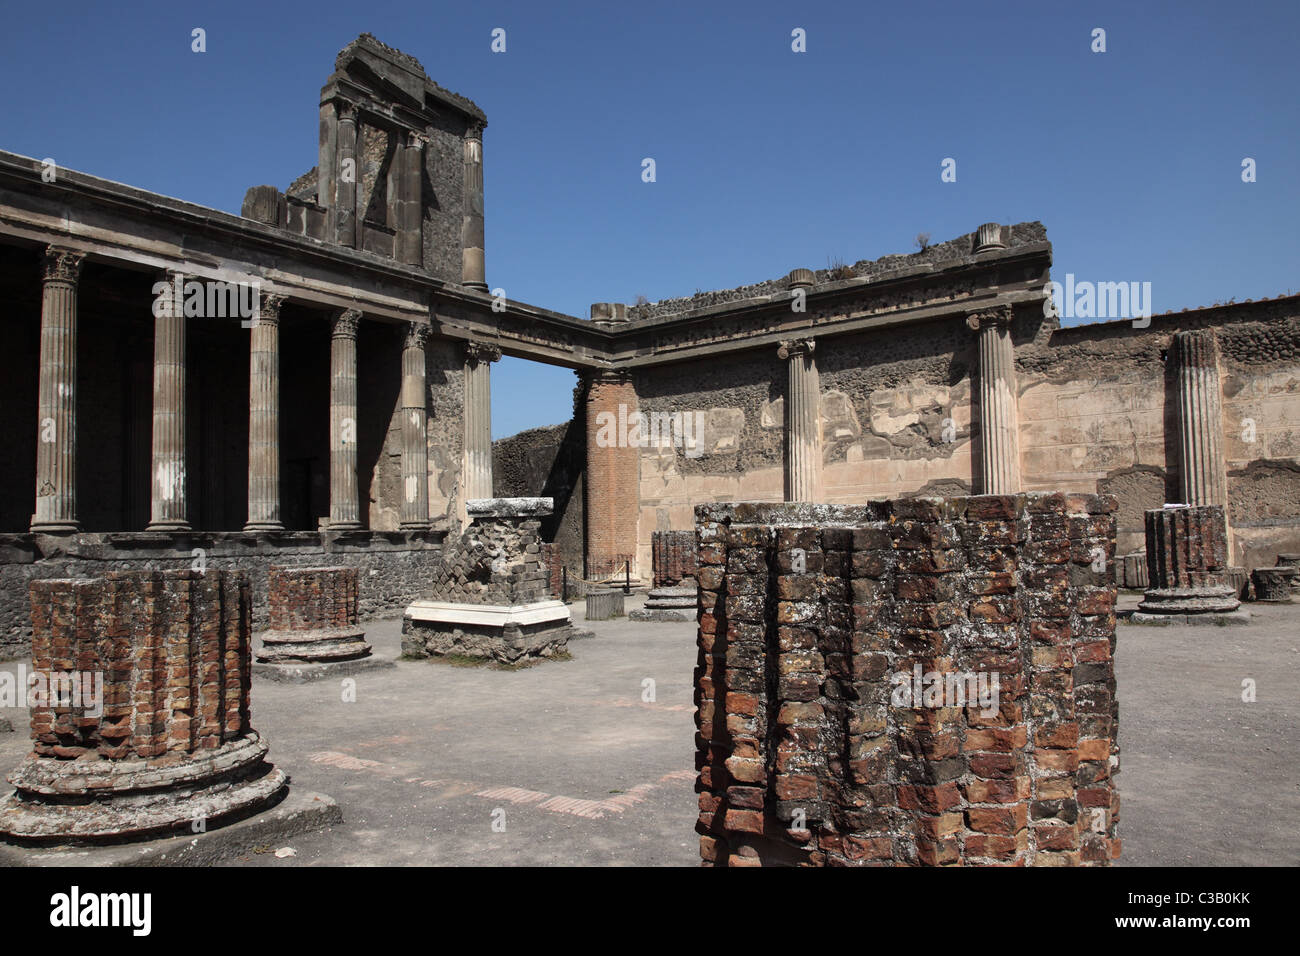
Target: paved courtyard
x: 581, y: 770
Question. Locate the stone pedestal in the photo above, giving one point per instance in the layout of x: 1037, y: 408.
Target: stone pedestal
x: 150, y: 733
x: 1187, y: 569
x: 313, y: 624
x: 490, y: 599
x: 1273, y: 585
x: 669, y: 603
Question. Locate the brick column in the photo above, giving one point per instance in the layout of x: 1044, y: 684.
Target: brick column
x: 168, y: 505
x: 612, y: 477
x: 999, y: 429
x: 1201, y: 476
x: 264, y: 418
x: 473, y: 268
x: 344, y: 493
x: 415, y: 446
x: 56, y: 413
x: 345, y: 190
x: 803, y: 438
x: 478, y: 419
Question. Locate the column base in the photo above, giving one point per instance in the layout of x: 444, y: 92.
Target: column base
x: 414, y: 526
x: 168, y: 526
x: 55, y: 527
x: 475, y: 286
x: 265, y: 527
x: 343, y: 526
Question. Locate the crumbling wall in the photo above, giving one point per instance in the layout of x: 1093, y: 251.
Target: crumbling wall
x: 821, y: 632
x: 548, y: 463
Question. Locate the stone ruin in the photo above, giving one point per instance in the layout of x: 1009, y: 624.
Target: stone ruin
x: 848, y: 710
x: 314, y: 630
x: 675, y: 594
x: 168, y: 741
x: 491, y: 598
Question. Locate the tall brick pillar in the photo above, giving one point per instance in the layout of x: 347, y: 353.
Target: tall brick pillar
x: 345, y: 505
x: 168, y: 505
x: 999, y: 428
x: 803, y: 433
x: 264, y: 418
x: 478, y: 419
x: 612, y: 477
x: 56, y: 426
x: 415, y: 446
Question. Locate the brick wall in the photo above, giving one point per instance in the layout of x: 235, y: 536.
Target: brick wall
x: 817, y: 623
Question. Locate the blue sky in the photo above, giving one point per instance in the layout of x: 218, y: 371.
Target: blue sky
x: 766, y: 159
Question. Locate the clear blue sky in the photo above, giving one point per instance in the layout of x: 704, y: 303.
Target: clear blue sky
x: 766, y: 159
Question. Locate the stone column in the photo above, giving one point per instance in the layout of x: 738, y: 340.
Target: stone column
x: 1187, y: 568
x: 478, y: 419
x: 1200, y: 418
x: 264, y: 418
x: 999, y: 428
x: 410, y: 164
x: 345, y: 191
x: 803, y: 438
x: 415, y: 446
x: 473, y: 268
x: 344, y: 494
x: 56, y: 404
x: 168, y: 508
x: 612, y: 477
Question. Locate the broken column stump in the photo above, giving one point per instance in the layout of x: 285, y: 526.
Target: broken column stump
x: 1273, y: 585
x: 314, y: 630
x: 490, y: 599
x: 1187, y: 569
x: 155, y: 735
x: 675, y: 593
x: 925, y: 681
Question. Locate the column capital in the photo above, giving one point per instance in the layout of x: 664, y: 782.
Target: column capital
x: 344, y: 325
x: 347, y: 111
x: 62, y: 264
x: 477, y: 353
x: 475, y: 129
x: 792, y: 347
x: 607, y: 376
x: 417, y: 334
x: 417, y: 140
x: 989, y: 317
x: 268, y: 307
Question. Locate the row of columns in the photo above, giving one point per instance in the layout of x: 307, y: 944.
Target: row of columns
x: 56, y: 502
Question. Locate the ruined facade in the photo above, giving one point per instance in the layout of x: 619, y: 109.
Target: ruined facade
x: 149, y: 427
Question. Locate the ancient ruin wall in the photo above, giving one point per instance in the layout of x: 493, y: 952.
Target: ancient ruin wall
x: 812, y: 620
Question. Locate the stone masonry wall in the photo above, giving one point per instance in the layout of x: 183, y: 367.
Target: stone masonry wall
x: 815, y: 621
x: 494, y: 562
x: 394, y: 569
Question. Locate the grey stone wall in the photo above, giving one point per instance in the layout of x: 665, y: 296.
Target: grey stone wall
x: 548, y: 463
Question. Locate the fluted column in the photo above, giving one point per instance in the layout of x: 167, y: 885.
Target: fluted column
x: 999, y: 420
x: 410, y: 185
x: 1200, y: 418
x: 478, y: 419
x: 56, y: 404
x: 168, y: 507
x: 344, y: 494
x: 345, y: 205
x: 415, y: 447
x: 803, y: 437
x: 473, y: 268
x: 264, y: 418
